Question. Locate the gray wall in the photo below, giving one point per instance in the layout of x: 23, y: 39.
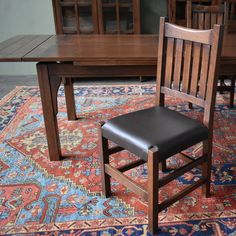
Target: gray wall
x: 151, y: 11
x: 24, y: 17
x: 36, y: 17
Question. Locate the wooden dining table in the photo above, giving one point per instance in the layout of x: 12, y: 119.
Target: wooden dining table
x: 62, y: 57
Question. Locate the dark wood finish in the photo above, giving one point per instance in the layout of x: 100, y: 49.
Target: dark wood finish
x: 232, y: 16
x: 167, y: 179
x: 92, y: 17
x: 198, y: 74
x: 153, y: 187
x: 75, y: 16
x: 70, y: 100
x: 131, y: 165
x: 84, y: 51
x: 231, y: 12
x: 17, y: 47
x: 68, y: 69
x: 181, y: 194
x: 128, y: 25
x: 198, y: 88
x: 48, y: 89
x: 96, y: 16
x: 204, y: 17
x: 115, y: 149
x: 129, y: 183
x: 105, y: 55
x: 176, y: 10
x: 97, y: 50
x: 104, y: 160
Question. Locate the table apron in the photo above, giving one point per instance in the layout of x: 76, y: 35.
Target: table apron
x: 227, y: 69
x: 71, y: 70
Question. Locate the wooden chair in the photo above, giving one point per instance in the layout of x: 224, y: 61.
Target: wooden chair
x: 204, y: 17
x: 176, y: 7
x: 187, y: 64
x: 231, y: 13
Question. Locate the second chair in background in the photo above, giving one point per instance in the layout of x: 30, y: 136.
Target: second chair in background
x: 204, y: 17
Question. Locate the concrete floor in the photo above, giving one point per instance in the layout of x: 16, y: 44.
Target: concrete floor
x: 8, y: 83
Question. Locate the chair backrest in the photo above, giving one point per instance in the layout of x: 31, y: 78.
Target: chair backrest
x: 173, y: 5
x: 187, y: 63
x: 205, y: 17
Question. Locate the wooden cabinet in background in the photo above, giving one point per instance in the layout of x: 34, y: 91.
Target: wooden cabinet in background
x: 97, y: 16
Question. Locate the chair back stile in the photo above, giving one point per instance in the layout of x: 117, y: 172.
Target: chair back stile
x: 188, y: 68
x: 213, y: 78
x: 161, y: 63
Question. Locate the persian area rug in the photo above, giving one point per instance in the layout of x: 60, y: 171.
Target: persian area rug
x: 59, y: 198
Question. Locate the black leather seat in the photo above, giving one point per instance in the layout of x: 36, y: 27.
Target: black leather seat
x: 168, y: 130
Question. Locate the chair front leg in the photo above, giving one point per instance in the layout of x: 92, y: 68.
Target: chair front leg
x: 153, y: 167
x: 206, y: 166
x: 104, y: 159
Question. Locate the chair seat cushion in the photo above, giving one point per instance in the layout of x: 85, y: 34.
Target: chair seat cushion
x: 168, y: 130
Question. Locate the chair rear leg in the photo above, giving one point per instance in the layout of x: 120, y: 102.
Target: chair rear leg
x: 206, y: 166
x: 153, y: 191
x: 104, y: 159
x: 232, y: 92
x: 163, y: 166
x: 221, y: 84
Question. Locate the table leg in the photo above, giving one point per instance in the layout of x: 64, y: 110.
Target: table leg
x: 70, y: 100
x: 48, y: 89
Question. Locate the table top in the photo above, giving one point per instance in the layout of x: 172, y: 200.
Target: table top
x: 94, y: 49
x: 15, y: 48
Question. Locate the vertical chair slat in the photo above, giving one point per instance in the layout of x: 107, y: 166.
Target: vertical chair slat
x: 213, y: 19
x: 232, y: 11
x: 187, y: 66
x: 76, y: 7
x: 118, y: 16
x: 178, y: 64
x: 195, y: 68
x: 204, y: 17
x: 220, y: 19
x: 195, y: 21
x: 169, y: 61
x: 204, y: 70
x: 207, y: 21
x: 201, y: 20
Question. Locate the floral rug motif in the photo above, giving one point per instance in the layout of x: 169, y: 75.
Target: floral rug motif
x: 50, y: 198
